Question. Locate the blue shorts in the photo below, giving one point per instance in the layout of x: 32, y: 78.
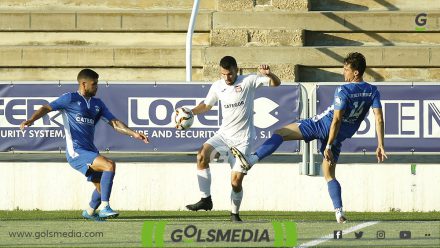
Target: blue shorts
x: 319, y: 130
x: 82, y: 164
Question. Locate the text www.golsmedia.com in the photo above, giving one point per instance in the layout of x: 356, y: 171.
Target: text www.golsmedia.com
x: 55, y: 234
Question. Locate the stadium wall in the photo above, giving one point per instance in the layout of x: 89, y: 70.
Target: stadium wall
x: 302, y: 40
x: 162, y: 186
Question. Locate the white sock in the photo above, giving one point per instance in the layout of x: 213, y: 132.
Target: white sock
x: 253, y: 159
x: 104, y: 204
x: 236, y: 201
x: 204, y: 179
x: 90, y: 211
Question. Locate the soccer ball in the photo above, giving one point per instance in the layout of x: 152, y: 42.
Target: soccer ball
x: 183, y: 118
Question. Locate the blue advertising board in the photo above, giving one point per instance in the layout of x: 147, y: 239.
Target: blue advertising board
x: 144, y: 107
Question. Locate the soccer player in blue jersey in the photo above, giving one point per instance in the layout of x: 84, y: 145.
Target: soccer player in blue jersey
x: 81, y: 111
x: 340, y: 121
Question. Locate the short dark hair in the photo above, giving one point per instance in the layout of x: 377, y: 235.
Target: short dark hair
x: 228, y: 63
x: 87, y: 74
x: 356, y: 61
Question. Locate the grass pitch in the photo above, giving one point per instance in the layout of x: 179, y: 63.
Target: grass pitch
x: 314, y: 229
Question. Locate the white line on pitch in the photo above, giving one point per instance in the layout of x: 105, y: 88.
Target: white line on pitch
x: 330, y: 236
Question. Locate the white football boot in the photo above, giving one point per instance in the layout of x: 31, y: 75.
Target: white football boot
x: 340, y: 216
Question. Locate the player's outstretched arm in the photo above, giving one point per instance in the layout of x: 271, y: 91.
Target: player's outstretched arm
x: 265, y: 70
x: 380, y: 151
x: 201, y: 108
x: 120, y: 127
x: 37, y: 115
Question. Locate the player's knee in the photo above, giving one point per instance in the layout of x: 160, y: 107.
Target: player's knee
x: 280, y: 133
x: 110, y: 165
x: 236, y: 185
x: 328, y: 178
x: 202, y: 157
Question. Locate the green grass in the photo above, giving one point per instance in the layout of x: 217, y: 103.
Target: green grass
x: 219, y: 215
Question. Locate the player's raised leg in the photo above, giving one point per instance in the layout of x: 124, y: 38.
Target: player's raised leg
x: 108, y: 168
x: 203, y: 178
x: 286, y: 133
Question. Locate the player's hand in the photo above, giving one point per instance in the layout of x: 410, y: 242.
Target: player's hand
x: 328, y: 156
x: 141, y: 136
x: 380, y: 154
x: 264, y: 69
x: 24, y: 124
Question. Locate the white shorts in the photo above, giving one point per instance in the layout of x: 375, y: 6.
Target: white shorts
x: 223, y: 145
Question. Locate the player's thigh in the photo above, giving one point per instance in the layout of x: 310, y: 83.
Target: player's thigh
x: 206, y: 153
x: 82, y: 161
x: 102, y: 163
x: 290, y: 132
x: 215, y: 145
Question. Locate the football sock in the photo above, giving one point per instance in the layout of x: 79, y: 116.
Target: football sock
x: 204, y: 179
x: 105, y: 203
x: 236, y: 201
x: 334, y: 189
x: 106, y: 185
x: 95, y: 202
x: 90, y: 211
x: 253, y: 159
x: 269, y: 146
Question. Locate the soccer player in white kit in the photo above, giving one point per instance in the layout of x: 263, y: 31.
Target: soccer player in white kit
x: 236, y: 94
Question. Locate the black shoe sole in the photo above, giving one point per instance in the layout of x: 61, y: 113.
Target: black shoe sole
x: 197, y: 209
x: 110, y: 217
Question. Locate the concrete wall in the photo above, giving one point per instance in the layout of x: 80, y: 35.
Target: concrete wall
x: 161, y: 186
x: 304, y: 40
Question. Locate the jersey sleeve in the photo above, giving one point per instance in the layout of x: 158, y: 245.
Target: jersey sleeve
x: 61, y: 102
x: 376, y: 100
x: 106, y: 115
x: 261, y: 80
x: 340, y: 99
x: 212, y: 97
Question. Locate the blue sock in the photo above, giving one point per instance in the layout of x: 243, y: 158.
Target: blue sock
x: 96, y: 200
x: 269, y: 146
x: 106, y: 184
x: 334, y: 189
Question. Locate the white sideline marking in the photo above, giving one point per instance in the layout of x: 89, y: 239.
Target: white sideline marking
x: 330, y: 236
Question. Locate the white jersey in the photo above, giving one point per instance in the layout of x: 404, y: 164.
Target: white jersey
x: 236, y: 106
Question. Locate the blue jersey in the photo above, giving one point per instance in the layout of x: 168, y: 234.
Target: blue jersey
x: 80, y: 117
x: 355, y: 99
